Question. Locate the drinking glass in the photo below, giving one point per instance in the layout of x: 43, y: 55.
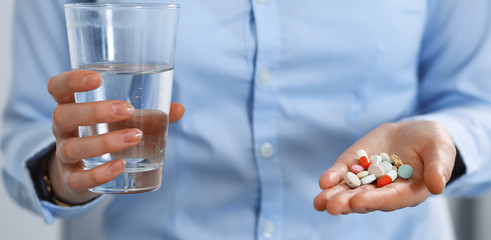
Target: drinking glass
x: 132, y: 47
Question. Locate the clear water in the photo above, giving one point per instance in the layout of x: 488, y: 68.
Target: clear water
x: 148, y: 88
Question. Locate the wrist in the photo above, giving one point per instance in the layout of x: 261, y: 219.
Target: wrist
x: 39, y: 170
x: 47, y: 179
x: 60, y: 193
x: 35, y: 167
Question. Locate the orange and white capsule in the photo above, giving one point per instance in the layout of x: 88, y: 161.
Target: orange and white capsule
x: 384, y: 181
x: 392, y: 174
x: 389, y: 177
x: 361, y: 153
x: 363, y: 159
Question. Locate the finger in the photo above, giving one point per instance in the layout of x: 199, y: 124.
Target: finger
x: 340, y: 202
x: 81, y: 180
x: 321, y: 200
x: 62, y: 86
x: 390, y: 197
x: 176, y: 112
x: 438, y: 165
x: 74, y: 149
x: 333, y: 175
x: 67, y: 117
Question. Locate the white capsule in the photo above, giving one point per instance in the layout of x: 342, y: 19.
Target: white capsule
x: 368, y: 179
x: 392, y: 174
x: 362, y: 174
x: 352, y: 180
x: 385, y: 157
x: 376, y: 170
x: 386, y: 165
x: 394, y: 168
x: 376, y: 159
x: 361, y: 153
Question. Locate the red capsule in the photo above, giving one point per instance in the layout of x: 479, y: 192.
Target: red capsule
x: 384, y: 181
x: 364, y: 162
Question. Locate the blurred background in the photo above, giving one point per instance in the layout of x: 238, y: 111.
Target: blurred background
x: 15, y: 222
x: 471, y: 216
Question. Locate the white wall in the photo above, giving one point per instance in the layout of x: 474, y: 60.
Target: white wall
x: 16, y: 223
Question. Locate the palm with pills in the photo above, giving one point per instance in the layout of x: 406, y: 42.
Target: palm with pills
x: 425, y: 145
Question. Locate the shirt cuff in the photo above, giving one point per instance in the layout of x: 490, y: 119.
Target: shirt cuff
x: 48, y: 208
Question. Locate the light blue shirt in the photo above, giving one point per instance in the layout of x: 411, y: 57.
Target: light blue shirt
x: 275, y: 90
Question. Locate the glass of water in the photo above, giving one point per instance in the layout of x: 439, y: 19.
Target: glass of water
x: 132, y: 47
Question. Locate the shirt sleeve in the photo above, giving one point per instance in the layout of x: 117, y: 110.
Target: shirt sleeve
x: 455, y: 84
x: 40, y: 50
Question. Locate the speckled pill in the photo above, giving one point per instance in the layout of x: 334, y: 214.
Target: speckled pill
x: 362, y: 174
x: 352, y: 180
x: 356, y: 168
x: 405, y: 171
x: 396, y: 160
x: 376, y: 170
x: 368, y: 179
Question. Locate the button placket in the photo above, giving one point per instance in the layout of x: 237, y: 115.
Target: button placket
x: 264, y: 117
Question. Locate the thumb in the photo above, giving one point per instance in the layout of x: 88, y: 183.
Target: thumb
x: 333, y: 175
x: 176, y: 112
x: 438, y: 165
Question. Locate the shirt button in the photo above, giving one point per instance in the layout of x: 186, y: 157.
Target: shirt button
x: 266, y: 150
x: 268, y: 229
x: 264, y: 77
x: 261, y: 1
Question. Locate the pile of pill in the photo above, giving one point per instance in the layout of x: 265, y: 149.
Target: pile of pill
x: 380, y: 168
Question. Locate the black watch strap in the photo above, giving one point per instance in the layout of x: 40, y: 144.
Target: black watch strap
x: 459, y: 168
x: 36, y: 168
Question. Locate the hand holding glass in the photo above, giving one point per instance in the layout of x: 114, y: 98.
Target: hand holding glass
x: 132, y: 47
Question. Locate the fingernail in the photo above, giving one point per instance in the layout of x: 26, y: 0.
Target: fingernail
x: 122, y: 108
x: 444, y: 181
x: 91, y: 80
x: 131, y: 135
x: 116, y: 165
